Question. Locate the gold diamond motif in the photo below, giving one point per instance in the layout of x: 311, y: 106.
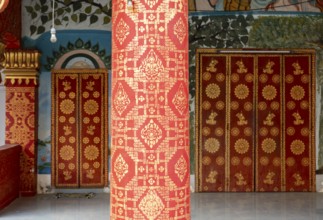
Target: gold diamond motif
x: 181, y: 168
x: 121, y: 101
x: 180, y: 30
x: 120, y: 167
x: 151, y: 205
x: 152, y: 66
x: 180, y: 100
x: 151, y: 133
x: 123, y: 31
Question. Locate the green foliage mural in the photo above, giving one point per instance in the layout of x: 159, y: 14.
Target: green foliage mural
x: 66, y: 12
x: 293, y: 32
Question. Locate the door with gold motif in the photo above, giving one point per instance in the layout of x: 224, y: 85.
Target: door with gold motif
x: 79, y: 128
x: 255, y: 120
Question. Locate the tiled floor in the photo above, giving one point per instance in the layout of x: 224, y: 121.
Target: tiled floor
x: 205, y: 206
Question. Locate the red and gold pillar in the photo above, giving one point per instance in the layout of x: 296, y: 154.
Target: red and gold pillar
x: 150, y: 113
x: 21, y: 81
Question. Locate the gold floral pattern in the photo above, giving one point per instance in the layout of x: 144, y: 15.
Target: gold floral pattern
x: 96, y: 165
x: 219, y: 105
x: 305, y: 132
x: 220, y: 161
x: 206, y: 76
x: 274, y: 105
x: 72, y: 140
x: 268, y: 145
x: 62, y: 119
x: 247, y: 161
x: 276, y: 161
x: 263, y: 78
x: 269, y: 92
x: 264, y: 161
x: 290, y: 131
x: 289, y: 78
x: 234, y: 105
x: 274, y: 131
x: 67, y: 106
x: 235, y: 77
x: 62, y: 95
x: 241, y: 146
x: 86, y: 120
x: 206, y: 160
x: 206, y: 105
x: 96, y: 94
x: 249, y: 77
x: 291, y: 105
x: 305, y: 79
x: 86, y: 94
x: 62, y: 139
x: 71, y: 166
x: 61, y: 166
x: 304, y: 105
x: 297, y: 147
x: 96, y: 140
x: 276, y: 78
x: 219, y: 132
x: 66, y: 152
x: 86, y: 140
x: 220, y: 77
x: 96, y: 120
x: 247, y: 106
x: 86, y: 166
x: 212, y: 91
x: 241, y: 91
x: 297, y: 93
x: 290, y: 161
x: 71, y: 95
x: 247, y: 131
x: 235, y: 161
x: 305, y: 162
x: 206, y: 131
x: 91, y: 152
x: 91, y: 107
x: 263, y: 131
x: 235, y: 131
x: 71, y: 120
x: 212, y: 145
x: 262, y: 106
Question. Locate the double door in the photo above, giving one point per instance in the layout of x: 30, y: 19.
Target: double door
x: 79, y: 128
x: 255, y: 121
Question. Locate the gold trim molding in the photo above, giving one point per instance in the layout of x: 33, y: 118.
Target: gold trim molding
x: 21, y: 66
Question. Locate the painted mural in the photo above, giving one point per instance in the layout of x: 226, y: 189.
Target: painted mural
x: 257, y: 5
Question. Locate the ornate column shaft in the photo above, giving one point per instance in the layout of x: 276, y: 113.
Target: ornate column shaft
x: 21, y: 81
x: 150, y: 117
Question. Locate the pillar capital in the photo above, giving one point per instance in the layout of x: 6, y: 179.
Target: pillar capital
x: 21, y: 67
